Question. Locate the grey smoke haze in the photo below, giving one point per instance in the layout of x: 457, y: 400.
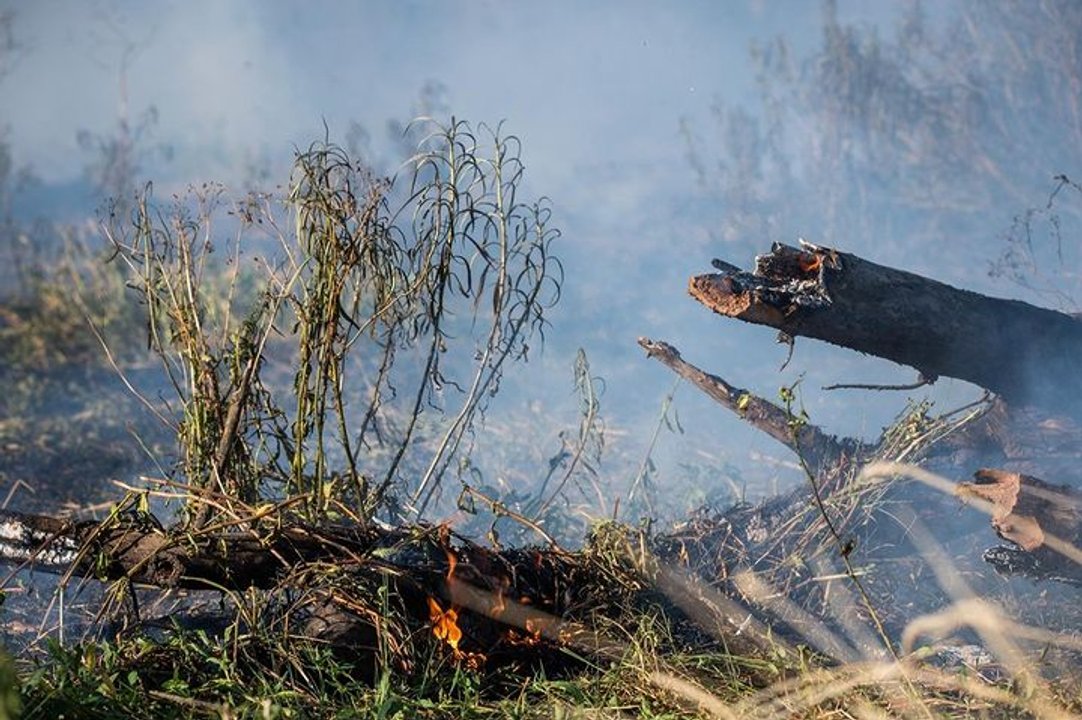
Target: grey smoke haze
x: 595, y: 90
x: 583, y: 83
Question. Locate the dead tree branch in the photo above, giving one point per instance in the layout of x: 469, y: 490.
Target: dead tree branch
x: 1026, y: 354
x: 816, y: 446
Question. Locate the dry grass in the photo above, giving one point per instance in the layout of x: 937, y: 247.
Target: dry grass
x: 425, y: 293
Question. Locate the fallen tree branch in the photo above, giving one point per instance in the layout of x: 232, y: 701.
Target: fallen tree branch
x: 428, y: 576
x: 1026, y: 354
x: 816, y: 446
x: 135, y: 549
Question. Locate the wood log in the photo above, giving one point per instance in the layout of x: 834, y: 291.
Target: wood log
x: 504, y: 601
x: 1043, y: 523
x: 145, y: 553
x: 136, y: 548
x: 497, y: 593
x: 1026, y: 354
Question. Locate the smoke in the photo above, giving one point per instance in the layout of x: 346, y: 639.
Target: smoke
x: 597, y: 94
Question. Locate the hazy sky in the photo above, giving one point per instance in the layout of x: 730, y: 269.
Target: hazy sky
x: 595, y: 90
x: 582, y: 82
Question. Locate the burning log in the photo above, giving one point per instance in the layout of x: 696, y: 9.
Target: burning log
x: 483, y: 605
x: 1026, y: 354
x: 527, y: 605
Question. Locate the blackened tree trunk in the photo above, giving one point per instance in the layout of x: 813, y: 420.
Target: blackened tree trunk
x: 1026, y: 354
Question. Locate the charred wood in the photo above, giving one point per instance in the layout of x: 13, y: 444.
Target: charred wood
x: 509, y: 604
x: 1026, y: 354
x: 136, y: 548
x: 1042, y: 522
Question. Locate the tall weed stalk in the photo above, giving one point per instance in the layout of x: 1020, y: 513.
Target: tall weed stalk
x: 443, y: 267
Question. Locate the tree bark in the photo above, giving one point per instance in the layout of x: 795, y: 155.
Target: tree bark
x: 1026, y: 354
x: 813, y: 445
x: 1042, y: 521
x: 136, y: 548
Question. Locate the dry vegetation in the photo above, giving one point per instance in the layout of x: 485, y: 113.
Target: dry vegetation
x: 340, y: 603
x: 318, y: 385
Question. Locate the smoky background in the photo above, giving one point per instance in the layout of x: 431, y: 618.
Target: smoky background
x: 939, y: 138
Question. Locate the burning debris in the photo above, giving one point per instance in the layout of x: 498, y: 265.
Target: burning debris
x: 444, y: 624
x: 831, y: 574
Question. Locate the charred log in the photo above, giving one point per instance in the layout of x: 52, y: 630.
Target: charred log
x: 136, y: 548
x: 1026, y: 354
x: 509, y: 605
x: 506, y: 605
x: 1043, y: 523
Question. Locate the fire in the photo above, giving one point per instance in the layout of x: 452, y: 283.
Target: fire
x: 534, y: 627
x: 445, y: 543
x: 811, y: 264
x: 500, y: 605
x: 530, y: 635
x: 444, y: 624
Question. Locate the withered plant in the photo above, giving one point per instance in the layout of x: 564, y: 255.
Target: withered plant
x: 442, y: 269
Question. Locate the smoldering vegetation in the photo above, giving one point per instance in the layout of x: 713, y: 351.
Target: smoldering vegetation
x: 301, y: 435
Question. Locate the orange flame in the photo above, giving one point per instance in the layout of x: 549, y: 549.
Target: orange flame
x: 501, y: 599
x: 445, y: 543
x: 444, y: 624
x: 534, y: 627
x: 529, y: 636
x: 811, y: 264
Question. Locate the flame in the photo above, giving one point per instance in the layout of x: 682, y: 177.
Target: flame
x: 811, y: 264
x: 528, y: 636
x: 534, y: 627
x: 501, y: 598
x: 444, y: 624
x: 444, y: 534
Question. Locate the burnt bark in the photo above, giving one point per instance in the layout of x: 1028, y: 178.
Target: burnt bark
x: 1042, y: 521
x: 134, y: 547
x: 1026, y: 354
